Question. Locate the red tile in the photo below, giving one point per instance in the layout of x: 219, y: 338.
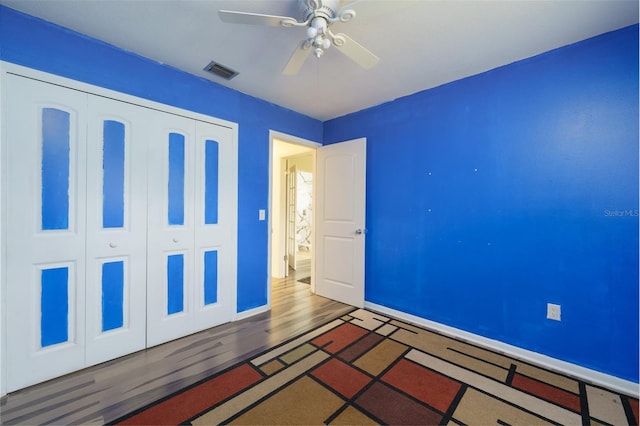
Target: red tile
x: 634, y: 407
x: 341, y: 377
x: 187, y: 404
x: 550, y: 393
x: 339, y: 338
x: 423, y: 384
x: 395, y: 408
x: 360, y: 347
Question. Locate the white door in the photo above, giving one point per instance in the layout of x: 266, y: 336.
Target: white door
x: 340, y: 221
x: 216, y: 226
x: 171, y: 228
x: 116, y: 229
x: 99, y: 192
x: 192, y: 225
x: 292, y: 193
x: 45, y: 218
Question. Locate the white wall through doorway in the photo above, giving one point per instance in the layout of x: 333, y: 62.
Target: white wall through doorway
x: 283, y: 146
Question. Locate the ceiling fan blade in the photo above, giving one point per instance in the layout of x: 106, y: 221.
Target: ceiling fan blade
x: 369, y: 9
x: 234, y: 17
x: 355, y: 51
x: 297, y: 59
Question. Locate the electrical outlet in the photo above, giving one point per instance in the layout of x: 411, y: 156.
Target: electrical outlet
x: 553, y: 312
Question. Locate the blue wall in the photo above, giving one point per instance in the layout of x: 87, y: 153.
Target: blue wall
x: 490, y: 196
x: 31, y: 42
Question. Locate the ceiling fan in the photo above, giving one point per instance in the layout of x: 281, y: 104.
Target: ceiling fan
x: 318, y: 16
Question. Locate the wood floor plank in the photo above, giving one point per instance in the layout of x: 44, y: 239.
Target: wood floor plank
x: 105, y: 392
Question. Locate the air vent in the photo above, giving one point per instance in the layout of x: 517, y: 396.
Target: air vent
x: 220, y: 70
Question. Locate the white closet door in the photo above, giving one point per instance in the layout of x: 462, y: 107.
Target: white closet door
x: 171, y: 228
x: 116, y: 229
x: 45, y: 218
x: 192, y: 228
x: 215, y: 225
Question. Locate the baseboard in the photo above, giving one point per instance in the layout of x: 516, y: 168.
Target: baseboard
x: 251, y: 312
x: 563, y: 367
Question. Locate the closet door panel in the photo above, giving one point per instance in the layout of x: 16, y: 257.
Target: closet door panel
x: 116, y: 229
x: 45, y: 217
x: 171, y: 230
x: 215, y: 227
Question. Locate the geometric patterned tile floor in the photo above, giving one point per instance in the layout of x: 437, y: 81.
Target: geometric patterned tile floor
x: 365, y: 368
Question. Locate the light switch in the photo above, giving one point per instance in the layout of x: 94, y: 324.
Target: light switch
x: 262, y: 214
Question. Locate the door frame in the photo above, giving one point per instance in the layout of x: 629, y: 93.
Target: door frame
x: 273, y: 135
x: 290, y: 216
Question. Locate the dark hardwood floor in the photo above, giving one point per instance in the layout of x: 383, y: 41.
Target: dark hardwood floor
x: 108, y: 391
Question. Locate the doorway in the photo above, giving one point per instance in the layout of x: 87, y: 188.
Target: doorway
x: 292, y: 205
x: 337, y: 244
x: 298, y: 213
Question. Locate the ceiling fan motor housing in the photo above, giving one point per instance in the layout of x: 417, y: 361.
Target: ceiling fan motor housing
x: 325, y: 8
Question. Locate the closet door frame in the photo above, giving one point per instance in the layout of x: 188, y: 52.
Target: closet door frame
x: 10, y: 68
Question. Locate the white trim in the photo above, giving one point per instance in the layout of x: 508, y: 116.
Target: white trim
x: 563, y: 367
x: 8, y: 67
x: 252, y: 312
x: 293, y: 139
x: 3, y: 298
x: 269, y: 219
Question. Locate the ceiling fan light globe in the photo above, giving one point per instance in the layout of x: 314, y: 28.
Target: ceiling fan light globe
x: 326, y: 43
x: 312, y: 32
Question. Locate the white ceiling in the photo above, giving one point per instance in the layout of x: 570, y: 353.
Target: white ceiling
x: 421, y: 44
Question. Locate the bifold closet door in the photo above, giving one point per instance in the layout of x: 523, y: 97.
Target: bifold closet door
x: 45, y: 231
x: 216, y: 225
x: 116, y: 229
x: 120, y: 224
x: 171, y: 230
x: 192, y: 186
